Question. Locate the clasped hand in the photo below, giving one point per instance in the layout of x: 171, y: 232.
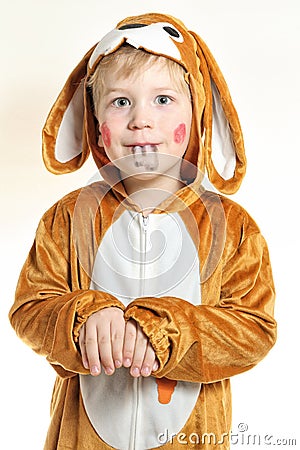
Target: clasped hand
x: 106, y: 340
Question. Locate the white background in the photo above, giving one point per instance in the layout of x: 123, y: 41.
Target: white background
x: 257, y: 46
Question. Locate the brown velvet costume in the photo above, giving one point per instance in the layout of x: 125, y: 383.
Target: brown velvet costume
x: 228, y: 333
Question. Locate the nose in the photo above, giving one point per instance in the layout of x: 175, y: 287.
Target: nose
x: 140, y: 119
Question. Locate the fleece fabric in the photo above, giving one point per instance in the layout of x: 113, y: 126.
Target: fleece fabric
x: 221, y: 325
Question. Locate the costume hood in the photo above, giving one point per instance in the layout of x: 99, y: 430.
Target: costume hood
x: 216, y: 142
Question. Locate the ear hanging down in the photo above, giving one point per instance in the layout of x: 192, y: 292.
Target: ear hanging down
x: 225, y: 159
x: 65, y: 147
x: 69, y: 134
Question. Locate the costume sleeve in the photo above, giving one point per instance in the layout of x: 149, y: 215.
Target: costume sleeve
x: 51, y: 304
x: 210, y: 343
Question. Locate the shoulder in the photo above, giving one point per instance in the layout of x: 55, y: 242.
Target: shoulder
x: 62, y: 212
x: 243, y: 235
x: 236, y: 216
x: 231, y: 221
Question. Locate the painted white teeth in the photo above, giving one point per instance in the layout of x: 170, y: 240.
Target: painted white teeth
x: 144, y: 148
x: 145, y: 156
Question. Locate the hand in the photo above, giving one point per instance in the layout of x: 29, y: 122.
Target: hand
x: 106, y: 340
x: 138, y: 353
x: 101, y: 341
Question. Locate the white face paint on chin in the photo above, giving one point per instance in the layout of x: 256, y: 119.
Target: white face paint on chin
x: 145, y: 156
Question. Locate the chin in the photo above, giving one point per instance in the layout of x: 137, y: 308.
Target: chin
x: 144, y: 176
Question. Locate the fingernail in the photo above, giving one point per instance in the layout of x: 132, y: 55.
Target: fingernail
x: 127, y: 362
x: 155, y: 366
x: 95, y: 370
x: 85, y: 364
x: 118, y: 363
x: 146, y: 371
x: 108, y: 370
x: 135, y: 372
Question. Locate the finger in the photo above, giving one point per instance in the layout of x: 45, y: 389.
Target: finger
x: 129, y: 342
x: 149, y: 360
x: 140, y: 350
x: 105, y: 348
x: 91, y: 348
x: 155, y: 365
x: 117, y: 332
x: 81, y: 342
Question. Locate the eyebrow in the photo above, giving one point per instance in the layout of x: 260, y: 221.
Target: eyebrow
x: 111, y: 91
x: 125, y: 91
x: 166, y: 88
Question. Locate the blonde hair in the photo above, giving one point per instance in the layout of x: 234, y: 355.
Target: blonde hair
x: 128, y: 62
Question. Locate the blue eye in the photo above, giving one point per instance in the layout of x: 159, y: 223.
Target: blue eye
x: 121, y: 102
x: 163, y: 100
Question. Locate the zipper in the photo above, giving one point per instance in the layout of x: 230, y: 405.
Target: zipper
x: 144, y: 225
x: 144, y: 237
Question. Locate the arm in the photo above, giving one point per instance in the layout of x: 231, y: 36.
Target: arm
x: 53, y: 300
x: 209, y: 343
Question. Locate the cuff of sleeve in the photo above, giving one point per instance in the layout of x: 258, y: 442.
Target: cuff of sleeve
x: 86, y: 308
x: 154, y: 328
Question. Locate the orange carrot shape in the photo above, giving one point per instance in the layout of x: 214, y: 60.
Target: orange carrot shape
x: 165, y: 389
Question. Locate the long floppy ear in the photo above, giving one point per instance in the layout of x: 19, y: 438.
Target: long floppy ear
x: 64, y: 139
x: 225, y: 159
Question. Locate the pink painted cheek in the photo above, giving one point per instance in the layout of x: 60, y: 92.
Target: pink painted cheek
x: 106, y: 135
x: 180, y: 133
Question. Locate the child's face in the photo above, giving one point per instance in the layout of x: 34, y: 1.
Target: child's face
x: 147, y: 120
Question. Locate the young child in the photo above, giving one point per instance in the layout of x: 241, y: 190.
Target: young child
x: 144, y: 291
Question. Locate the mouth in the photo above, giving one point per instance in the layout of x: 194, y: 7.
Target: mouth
x: 145, y: 155
x: 143, y: 148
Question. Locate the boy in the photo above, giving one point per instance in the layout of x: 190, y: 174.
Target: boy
x: 144, y: 291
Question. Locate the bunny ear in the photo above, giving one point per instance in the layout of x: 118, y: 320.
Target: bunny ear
x: 225, y: 159
x: 65, y: 146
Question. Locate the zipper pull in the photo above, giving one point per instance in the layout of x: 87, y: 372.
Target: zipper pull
x: 145, y: 222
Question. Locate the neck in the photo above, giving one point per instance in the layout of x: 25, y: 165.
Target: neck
x: 149, y: 193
